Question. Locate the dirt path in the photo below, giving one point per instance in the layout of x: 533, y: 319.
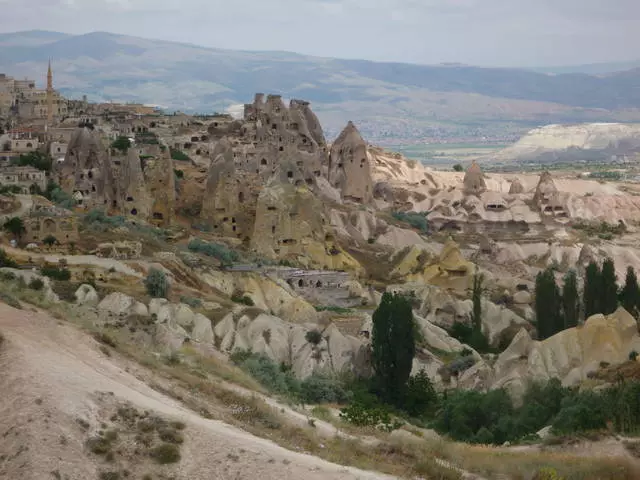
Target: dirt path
x: 51, y: 377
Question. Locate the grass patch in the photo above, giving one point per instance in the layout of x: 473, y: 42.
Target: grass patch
x: 166, y: 453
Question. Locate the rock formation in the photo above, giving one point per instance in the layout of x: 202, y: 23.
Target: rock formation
x: 473, y: 182
x: 516, y: 187
x: 113, y: 179
x: 349, y: 170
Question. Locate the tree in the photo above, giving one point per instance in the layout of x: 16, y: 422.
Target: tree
x: 457, y: 167
x: 548, y: 305
x: 157, y: 283
x: 570, y: 300
x: 15, y: 226
x: 630, y: 293
x: 591, y: 295
x: 49, y: 241
x: 122, y: 144
x: 609, y: 288
x: 393, y: 346
x: 476, y: 296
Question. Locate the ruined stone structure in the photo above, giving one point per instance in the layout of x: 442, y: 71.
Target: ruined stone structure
x: 516, y: 187
x: 48, y: 220
x: 474, y: 183
x: 24, y: 177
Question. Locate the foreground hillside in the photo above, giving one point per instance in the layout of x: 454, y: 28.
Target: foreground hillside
x: 387, y: 100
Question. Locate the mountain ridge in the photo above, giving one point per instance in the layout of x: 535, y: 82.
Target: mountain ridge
x: 387, y: 99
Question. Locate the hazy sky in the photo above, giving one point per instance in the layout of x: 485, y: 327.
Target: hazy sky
x: 481, y: 32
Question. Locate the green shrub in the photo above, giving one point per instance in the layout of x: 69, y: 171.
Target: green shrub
x: 6, y: 260
x: 10, y: 300
x: 242, y: 299
x: 271, y: 376
x: 633, y: 355
x: 157, y: 284
x: 363, y: 415
x: 166, y: 453
x: 416, y: 220
x: 192, y: 302
x: 215, y: 250
x: 179, y: 155
x: 36, y: 284
x: 178, y: 173
x: 314, y: 337
x: 121, y: 143
x: 457, y: 167
x: 62, y: 274
x: 319, y: 388
x: 420, y: 397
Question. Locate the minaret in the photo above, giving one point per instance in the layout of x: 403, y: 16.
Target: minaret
x: 49, y: 95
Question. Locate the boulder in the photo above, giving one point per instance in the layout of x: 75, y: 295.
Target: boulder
x: 155, y: 304
x: 202, y: 330
x: 87, y: 295
x: 118, y: 304
x: 522, y: 298
x: 169, y: 338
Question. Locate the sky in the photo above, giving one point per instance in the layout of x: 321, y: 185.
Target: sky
x: 519, y: 33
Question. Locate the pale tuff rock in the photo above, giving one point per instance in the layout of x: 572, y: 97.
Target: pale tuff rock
x: 516, y: 187
x: 118, y: 304
x: 473, y: 181
x: 86, y: 295
x: 569, y: 355
x: 349, y: 167
x: 99, y: 177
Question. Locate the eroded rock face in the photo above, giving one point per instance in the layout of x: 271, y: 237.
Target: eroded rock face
x: 119, y: 305
x: 474, y: 180
x: 569, y: 355
x: 113, y: 180
x: 87, y: 295
x: 349, y: 169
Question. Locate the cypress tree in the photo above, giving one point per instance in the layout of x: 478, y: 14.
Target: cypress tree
x: 592, y: 291
x: 570, y: 300
x: 393, y: 346
x: 609, y: 289
x: 630, y: 294
x: 548, y: 305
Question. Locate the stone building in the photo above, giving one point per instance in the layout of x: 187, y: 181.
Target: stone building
x: 47, y: 220
x: 23, y: 177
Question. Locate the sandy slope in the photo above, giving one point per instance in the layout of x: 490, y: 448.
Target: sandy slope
x: 51, y: 375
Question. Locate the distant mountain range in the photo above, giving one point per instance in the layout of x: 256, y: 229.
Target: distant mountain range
x: 386, y: 100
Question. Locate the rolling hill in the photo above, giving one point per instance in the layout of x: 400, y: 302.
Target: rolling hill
x: 386, y: 100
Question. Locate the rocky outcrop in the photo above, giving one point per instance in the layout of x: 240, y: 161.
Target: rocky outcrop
x: 161, y: 184
x: 287, y: 343
x: 86, y: 295
x: 570, y: 355
x: 117, y: 305
x: 348, y: 169
x: 473, y: 182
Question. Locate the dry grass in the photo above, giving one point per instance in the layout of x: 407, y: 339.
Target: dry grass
x: 198, y: 382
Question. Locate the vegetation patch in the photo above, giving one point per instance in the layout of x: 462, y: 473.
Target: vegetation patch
x: 224, y: 254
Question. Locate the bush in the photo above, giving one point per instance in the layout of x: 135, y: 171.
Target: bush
x: 242, y: 299
x: 179, y: 155
x: 363, y: 415
x: 313, y: 336
x: 270, y: 375
x: 36, y: 284
x: 157, y: 284
x: 416, y: 220
x: 121, y: 143
x: 6, y: 260
x: 166, y: 453
x: 62, y: 274
x: 192, y: 302
x: 633, y: 355
x: 457, y: 167
x: 420, y: 397
x: 221, y: 252
x: 319, y: 388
